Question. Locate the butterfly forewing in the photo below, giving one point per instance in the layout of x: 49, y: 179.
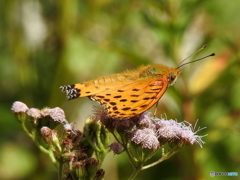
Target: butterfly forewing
x: 132, y: 99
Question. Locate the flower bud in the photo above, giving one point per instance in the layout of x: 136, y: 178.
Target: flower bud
x: 51, y: 137
x: 117, y: 148
x: 86, y: 169
x: 99, y: 175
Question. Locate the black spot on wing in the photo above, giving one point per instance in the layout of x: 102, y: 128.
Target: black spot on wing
x: 143, y: 106
x: 107, y: 100
x: 123, y: 100
x: 115, y: 108
x: 100, y: 97
x: 151, y: 85
x: 134, y: 95
x: 119, y: 96
x: 157, y: 89
x: 113, y: 103
x: 135, y: 89
x: 150, y: 92
x: 126, y: 108
x: 147, y: 98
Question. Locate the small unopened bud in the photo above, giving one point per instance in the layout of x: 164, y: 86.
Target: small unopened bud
x: 51, y: 137
x: 117, y: 148
x: 48, y: 134
x: 86, y: 169
x: 92, y: 165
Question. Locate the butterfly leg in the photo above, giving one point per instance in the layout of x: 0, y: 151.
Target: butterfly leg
x: 155, y: 110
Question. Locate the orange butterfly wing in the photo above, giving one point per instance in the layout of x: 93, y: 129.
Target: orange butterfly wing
x: 96, y: 86
x: 125, y: 99
x: 132, y: 99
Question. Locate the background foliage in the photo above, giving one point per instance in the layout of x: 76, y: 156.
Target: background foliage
x: 46, y: 44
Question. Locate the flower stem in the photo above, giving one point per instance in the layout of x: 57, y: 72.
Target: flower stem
x: 135, y: 173
x: 60, y: 170
x: 164, y: 157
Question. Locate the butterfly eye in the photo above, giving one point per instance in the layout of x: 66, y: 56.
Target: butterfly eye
x: 171, y: 78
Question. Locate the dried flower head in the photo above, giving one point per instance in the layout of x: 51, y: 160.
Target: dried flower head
x: 67, y: 144
x: 99, y: 175
x: 86, y: 169
x: 48, y: 134
x: 51, y: 137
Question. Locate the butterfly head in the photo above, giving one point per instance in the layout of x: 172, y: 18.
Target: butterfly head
x: 161, y: 71
x: 173, y: 75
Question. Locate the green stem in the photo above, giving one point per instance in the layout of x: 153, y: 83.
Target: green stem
x: 164, y: 157
x: 100, y: 144
x: 92, y: 144
x: 130, y: 156
x: 135, y: 173
x: 116, y: 138
x: 26, y: 130
x: 125, y: 145
x: 52, y: 157
x: 60, y: 169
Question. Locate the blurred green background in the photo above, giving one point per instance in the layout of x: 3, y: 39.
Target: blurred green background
x: 46, y: 44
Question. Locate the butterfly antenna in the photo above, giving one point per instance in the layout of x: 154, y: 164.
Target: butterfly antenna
x: 192, y: 54
x: 213, y: 54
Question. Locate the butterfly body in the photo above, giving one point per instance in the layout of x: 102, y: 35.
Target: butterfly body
x: 127, y: 94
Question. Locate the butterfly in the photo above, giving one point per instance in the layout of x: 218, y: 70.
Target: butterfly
x: 130, y: 93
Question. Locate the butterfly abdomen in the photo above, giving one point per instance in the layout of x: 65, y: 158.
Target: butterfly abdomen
x: 71, y: 91
x: 86, y: 89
